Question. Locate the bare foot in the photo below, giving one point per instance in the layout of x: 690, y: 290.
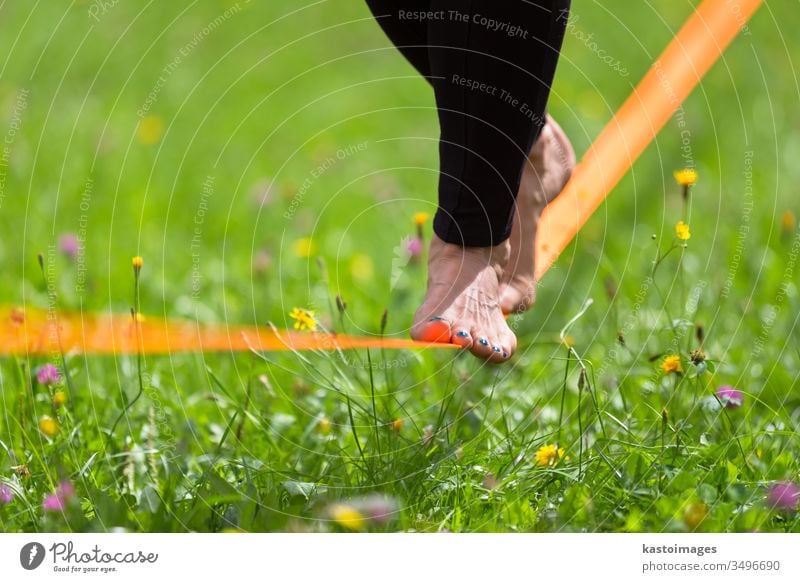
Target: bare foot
x: 462, y: 302
x: 551, y: 162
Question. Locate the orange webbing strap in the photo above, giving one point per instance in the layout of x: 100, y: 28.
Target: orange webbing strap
x: 669, y: 81
x: 35, y: 332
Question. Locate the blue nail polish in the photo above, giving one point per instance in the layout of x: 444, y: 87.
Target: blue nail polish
x: 437, y: 318
x: 483, y: 342
x: 505, y: 354
x: 462, y: 334
x: 496, y: 349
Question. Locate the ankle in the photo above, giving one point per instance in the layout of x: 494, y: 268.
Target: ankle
x: 487, y: 255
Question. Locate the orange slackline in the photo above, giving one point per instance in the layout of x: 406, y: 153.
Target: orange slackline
x: 669, y: 81
x: 32, y: 331
x: 697, y: 46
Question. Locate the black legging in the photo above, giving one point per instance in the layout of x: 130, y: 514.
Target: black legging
x: 491, y: 63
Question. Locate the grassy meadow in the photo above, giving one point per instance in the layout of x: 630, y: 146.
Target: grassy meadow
x: 267, y: 156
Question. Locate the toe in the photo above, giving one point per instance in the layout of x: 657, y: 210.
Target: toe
x: 481, y: 344
x: 502, y: 348
x: 497, y: 356
x: 435, y: 330
x: 461, y: 336
x: 517, y: 296
x: 503, y: 340
x: 507, y: 342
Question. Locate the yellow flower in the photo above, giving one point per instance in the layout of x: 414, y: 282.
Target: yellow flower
x: 137, y: 263
x: 548, y: 456
x: 324, y: 426
x: 421, y: 218
x: 348, y: 517
x: 303, y: 319
x: 686, y: 177
x: 695, y: 514
x: 362, y: 267
x: 397, y: 424
x: 150, y: 129
x: 303, y: 247
x: 788, y: 221
x: 49, y: 426
x: 59, y: 398
x: 672, y: 364
x: 682, y: 230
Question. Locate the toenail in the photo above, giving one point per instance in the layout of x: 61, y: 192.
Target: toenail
x: 496, y: 349
x: 483, y: 342
x: 505, y: 354
x: 462, y: 334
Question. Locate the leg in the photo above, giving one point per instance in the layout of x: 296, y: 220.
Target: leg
x: 492, y: 63
x: 408, y: 33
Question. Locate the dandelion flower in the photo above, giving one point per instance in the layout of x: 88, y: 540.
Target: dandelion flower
x: 324, y: 426
x: 348, y: 517
x: 695, y: 514
x: 421, y: 218
x: 730, y: 396
x: 788, y: 222
x: 784, y: 495
x: 48, y: 374
x: 303, y: 319
x: 303, y: 247
x: 397, y: 424
x: 362, y: 267
x: 137, y: 263
x: 49, y: 426
x: 548, y: 456
x: 6, y: 494
x: 682, y: 231
x: 672, y: 365
x: 59, y: 398
x: 150, y: 130
x: 686, y: 177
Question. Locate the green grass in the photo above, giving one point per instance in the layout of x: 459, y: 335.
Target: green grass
x: 238, y: 441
